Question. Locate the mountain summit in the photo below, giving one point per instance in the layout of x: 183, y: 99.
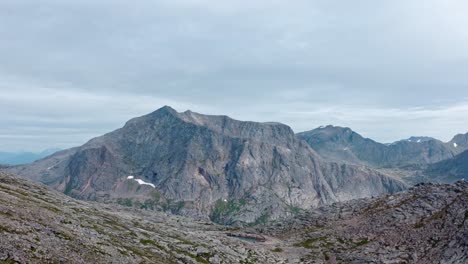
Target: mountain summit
x: 206, y: 166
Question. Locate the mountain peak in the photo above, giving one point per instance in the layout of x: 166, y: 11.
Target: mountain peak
x: 165, y: 109
x: 330, y: 131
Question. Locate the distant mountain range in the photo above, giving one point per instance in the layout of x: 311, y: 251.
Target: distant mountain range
x: 343, y: 144
x: 208, y: 167
x: 15, y: 158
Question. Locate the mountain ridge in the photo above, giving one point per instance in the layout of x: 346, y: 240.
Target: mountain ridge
x: 342, y: 143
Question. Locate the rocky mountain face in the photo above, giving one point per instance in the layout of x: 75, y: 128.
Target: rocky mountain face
x: 427, y: 224
x: 338, y: 143
x: 459, y: 142
x: 450, y: 170
x: 206, y: 166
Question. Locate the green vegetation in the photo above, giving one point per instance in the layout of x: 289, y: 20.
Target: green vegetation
x: 223, y: 209
x: 8, y: 261
x: 63, y: 235
x: 295, y: 210
x: 419, y: 224
x: 125, y: 202
x: 277, y: 250
x: 172, y: 206
x: 309, y: 243
x: 262, y: 220
x: 199, y: 259
x: 362, y: 242
x: 251, y: 259
x: 147, y: 242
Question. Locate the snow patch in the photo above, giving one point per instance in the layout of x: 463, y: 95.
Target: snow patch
x: 140, y: 181
x: 419, y: 141
x: 455, y: 144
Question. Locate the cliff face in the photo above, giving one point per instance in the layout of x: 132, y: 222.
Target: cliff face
x: 206, y: 166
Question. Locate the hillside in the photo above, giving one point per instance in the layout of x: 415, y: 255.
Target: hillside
x: 450, y: 170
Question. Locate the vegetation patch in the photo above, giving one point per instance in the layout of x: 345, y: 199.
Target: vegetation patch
x: 309, y: 243
x: 199, y: 259
x: 173, y: 207
x: 125, y: 202
x: 262, y: 220
x: 278, y: 250
x: 362, y: 242
x: 147, y: 242
x: 295, y: 210
x: 223, y: 209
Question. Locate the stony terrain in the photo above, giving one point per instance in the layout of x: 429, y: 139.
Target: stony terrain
x: 206, y: 167
x: 427, y: 224
x: 38, y: 225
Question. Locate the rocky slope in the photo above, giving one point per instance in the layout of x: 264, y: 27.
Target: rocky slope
x: 38, y: 225
x: 343, y: 144
x: 206, y: 166
x: 450, y: 170
x: 427, y: 224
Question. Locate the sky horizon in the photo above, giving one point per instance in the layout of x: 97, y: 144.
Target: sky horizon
x: 71, y: 71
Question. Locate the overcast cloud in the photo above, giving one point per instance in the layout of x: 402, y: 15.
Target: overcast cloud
x: 72, y: 70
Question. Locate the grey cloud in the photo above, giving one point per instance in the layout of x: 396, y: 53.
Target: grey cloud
x: 89, y: 65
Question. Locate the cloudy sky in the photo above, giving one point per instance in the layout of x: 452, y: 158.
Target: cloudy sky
x: 72, y: 70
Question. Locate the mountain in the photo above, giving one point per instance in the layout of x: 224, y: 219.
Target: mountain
x: 15, y: 158
x: 450, y: 170
x: 426, y: 224
x: 206, y: 166
x: 459, y: 142
x: 339, y: 143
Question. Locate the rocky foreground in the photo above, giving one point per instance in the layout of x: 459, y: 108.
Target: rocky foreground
x: 427, y: 224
